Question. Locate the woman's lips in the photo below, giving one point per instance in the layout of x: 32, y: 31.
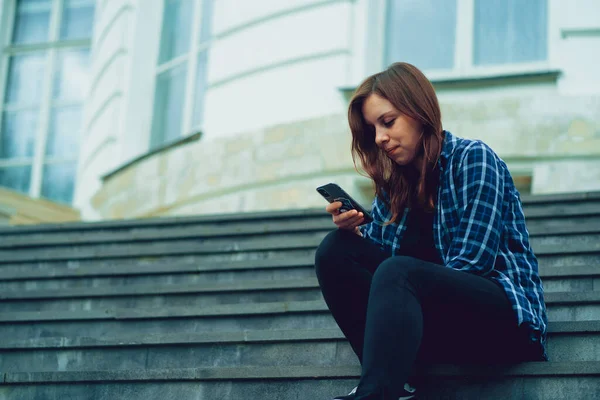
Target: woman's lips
x: 392, y: 150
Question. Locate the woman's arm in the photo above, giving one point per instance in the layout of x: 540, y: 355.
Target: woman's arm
x: 479, y: 193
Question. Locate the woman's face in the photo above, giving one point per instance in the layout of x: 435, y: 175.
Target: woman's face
x: 398, y: 135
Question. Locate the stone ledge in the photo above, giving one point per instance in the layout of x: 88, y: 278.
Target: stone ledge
x: 165, y: 249
x: 563, y: 197
x: 21, y: 273
x: 303, y: 241
x: 158, y: 150
x: 167, y: 221
x: 229, y: 287
x: 146, y: 290
x: 231, y: 310
x: 20, y: 209
x: 530, y: 369
x: 317, y: 222
x: 50, y: 272
x: 560, y: 211
x: 247, y: 336
x: 530, y: 200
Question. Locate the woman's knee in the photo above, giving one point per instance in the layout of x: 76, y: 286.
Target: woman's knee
x: 332, y: 247
x: 398, y: 270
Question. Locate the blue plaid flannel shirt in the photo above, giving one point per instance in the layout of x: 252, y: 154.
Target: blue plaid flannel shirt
x: 479, y: 227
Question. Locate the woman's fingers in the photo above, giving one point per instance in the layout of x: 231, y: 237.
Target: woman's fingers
x: 333, y: 208
x: 349, y: 219
x: 346, y: 220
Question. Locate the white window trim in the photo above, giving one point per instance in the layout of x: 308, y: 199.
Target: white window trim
x: 52, y: 46
x: 374, y: 46
x: 190, y: 59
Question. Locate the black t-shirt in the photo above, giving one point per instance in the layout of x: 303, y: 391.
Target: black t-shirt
x: 417, y: 241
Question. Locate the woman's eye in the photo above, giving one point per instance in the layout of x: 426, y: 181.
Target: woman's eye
x: 389, y: 123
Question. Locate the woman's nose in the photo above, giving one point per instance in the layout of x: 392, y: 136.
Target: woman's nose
x: 380, y: 137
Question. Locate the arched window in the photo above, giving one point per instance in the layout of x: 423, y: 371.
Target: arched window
x: 44, y: 80
x: 181, y: 69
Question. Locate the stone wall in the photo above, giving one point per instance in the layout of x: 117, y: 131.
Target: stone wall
x: 271, y: 169
x: 554, y: 139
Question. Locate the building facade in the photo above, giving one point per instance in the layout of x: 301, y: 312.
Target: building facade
x: 130, y: 108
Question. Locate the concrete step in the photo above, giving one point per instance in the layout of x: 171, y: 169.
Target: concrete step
x: 313, y: 314
x: 536, y: 207
x: 313, y: 223
x: 54, y: 277
x: 208, y: 294
x: 32, y: 277
x: 527, y: 381
x: 568, y: 341
x: 264, y: 243
x: 543, y: 246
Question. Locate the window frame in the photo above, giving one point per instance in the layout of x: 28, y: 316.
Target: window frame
x: 190, y: 60
x: 52, y: 47
x: 463, y: 51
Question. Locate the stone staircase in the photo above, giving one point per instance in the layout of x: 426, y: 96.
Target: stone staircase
x: 228, y: 307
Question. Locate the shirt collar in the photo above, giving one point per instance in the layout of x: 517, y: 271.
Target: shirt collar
x: 448, y: 147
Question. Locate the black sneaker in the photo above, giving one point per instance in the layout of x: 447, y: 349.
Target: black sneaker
x: 408, y: 394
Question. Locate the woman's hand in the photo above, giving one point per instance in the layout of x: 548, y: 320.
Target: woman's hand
x: 349, y: 220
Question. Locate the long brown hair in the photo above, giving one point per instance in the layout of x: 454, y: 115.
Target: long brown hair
x: 411, y: 93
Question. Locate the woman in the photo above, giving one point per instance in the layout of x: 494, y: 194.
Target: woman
x: 445, y: 272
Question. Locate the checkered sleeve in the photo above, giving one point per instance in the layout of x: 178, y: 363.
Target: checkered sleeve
x: 374, y: 229
x: 478, y: 187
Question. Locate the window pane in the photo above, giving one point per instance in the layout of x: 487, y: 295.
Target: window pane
x: 18, y: 132
x: 63, y: 137
x: 32, y: 21
x: 510, y: 31
x: 16, y: 178
x: 77, y: 19
x: 168, y: 105
x: 421, y: 32
x: 58, y: 182
x: 207, y: 13
x: 177, y: 24
x: 71, y: 79
x: 25, y: 78
x: 200, y: 90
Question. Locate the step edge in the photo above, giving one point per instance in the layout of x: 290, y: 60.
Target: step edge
x: 530, y: 369
x: 165, y: 289
x: 223, y: 310
x: 242, y: 286
x: 8, y: 274
x: 126, y: 238
x: 558, y: 328
x: 300, y: 244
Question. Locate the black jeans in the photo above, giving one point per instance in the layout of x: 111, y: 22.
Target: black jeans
x: 398, y: 311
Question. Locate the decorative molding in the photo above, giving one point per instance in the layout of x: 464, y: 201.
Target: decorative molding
x: 276, y: 15
x: 162, y: 149
x: 120, y: 52
x: 106, y: 28
x: 497, y: 79
x: 483, y: 80
x: 580, y: 32
x: 283, y: 63
x: 99, y: 111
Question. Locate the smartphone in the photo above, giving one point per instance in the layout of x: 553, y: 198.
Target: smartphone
x: 332, y: 193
